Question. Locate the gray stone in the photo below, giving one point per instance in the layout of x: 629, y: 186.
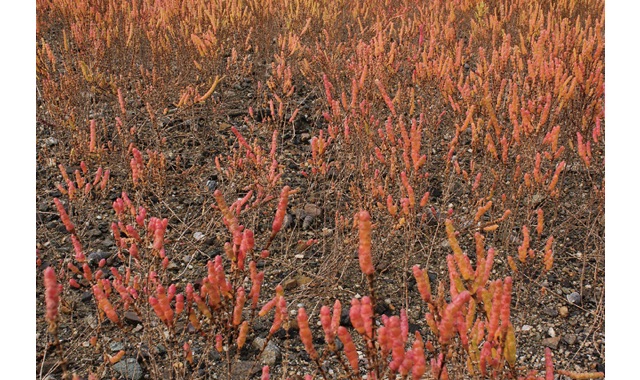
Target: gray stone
x: 574, y: 298
x: 271, y: 354
x: 132, y: 318
x: 244, y: 369
x: 306, y: 223
x: 570, y: 339
x: 116, y: 346
x: 288, y: 221
x: 51, y: 141
x: 95, y: 232
x: 129, y: 369
x: 550, y: 311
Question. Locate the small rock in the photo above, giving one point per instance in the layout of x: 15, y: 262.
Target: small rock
x: 289, y: 284
x: 306, y: 223
x: 299, y: 213
x: 551, y: 342
x: 91, y: 321
x: 288, y: 221
x: 51, y: 141
x: 132, y: 318
x: 551, y: 332
x: 305, y: 137
x: 108, y: 243
x: 86, y: 297
x: 94, y: 232
x: 326, y: 232
x: 160, y: 349
x: 212, y: 185
x: 550, y: 311
x: 95, y: 257
x: 198, y: 235
x: 244, y: 369
x: 574, y: 298
x: 526, y: 328
x: 271, y: 354
x: 116, y: 346
x: 570, y: 339
x: 299, y: 256
x: 311, y: 209
x: 564, y: 311
x: 129, y: 369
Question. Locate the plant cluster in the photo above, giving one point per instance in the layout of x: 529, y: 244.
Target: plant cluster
x: 222, y: 149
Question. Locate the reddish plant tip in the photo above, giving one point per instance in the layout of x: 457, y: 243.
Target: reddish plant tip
x: 52, y: 296
x: 349, y: 347
x: 265, y: 373
x: 281, y: 211
x: 305, y: 333
x: 64, y: 216
x: 548, y: 364
x: 364, y: 248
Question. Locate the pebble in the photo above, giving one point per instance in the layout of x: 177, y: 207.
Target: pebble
x: 116, y: 346
x: 526, y: 328
x: 326, y: 232
x: 91, y: 321
x: 551, y: 342
x: 271, y: 354
x: 306, y: 223
x: 212, y: 185
x: 51, y: 141
x: 86, y: 297
x: 564, y: 311
x: 550, y: 311
x: 551, y: 332
x: 288, y: 221
x: 132, y: 318
x: 574, y: 298
x: 108, y: 243
x: 244, y: 369
x: 311, y: 209
x: 198, y: 235
x: 570, y: 339
x: 95, y: 232
x: 290, y: 284
x: 129, y: 369
x: 299, y: 256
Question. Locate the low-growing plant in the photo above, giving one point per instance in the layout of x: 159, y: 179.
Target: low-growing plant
x: 475, y: 322
x: 194, y: 156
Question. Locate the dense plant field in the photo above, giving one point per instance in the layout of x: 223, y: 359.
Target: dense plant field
x: 320, y: 189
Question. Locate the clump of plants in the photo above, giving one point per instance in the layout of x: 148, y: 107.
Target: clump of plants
x: 196, y: 159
